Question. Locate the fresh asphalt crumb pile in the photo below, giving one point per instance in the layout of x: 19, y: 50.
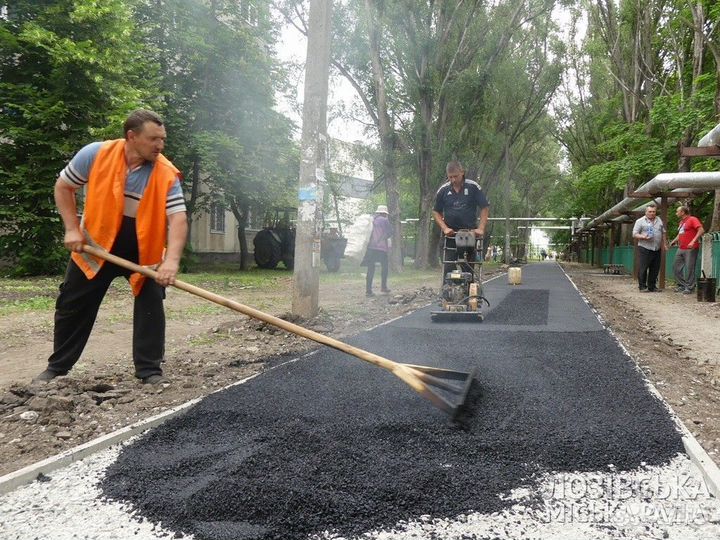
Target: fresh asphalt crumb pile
x: 330, y: 443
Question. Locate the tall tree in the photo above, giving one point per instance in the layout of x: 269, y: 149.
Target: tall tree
x: 219, y: 79
x: 647, y: 86
x: 359, y: 55
x: 61, y: 87
x: 467, y: 65
x: 706, y: 27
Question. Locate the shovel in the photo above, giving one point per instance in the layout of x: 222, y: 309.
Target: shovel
x: 447, y: 389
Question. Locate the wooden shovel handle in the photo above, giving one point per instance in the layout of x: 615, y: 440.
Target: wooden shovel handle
x: 400, y: 370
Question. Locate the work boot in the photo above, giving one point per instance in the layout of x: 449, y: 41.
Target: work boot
x: 155, y: 379
x: 385, y: 290
x: 369, y: 293
x: 47, y: 376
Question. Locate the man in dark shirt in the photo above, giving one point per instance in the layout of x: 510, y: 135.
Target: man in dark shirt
x: 456, y: 207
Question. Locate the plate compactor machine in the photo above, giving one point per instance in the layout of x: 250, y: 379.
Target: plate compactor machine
x: 461, y: 295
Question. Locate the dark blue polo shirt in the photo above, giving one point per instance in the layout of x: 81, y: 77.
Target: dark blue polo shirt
x: 459, y: 210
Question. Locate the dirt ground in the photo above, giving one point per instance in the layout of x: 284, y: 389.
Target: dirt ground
x: 672, y: 336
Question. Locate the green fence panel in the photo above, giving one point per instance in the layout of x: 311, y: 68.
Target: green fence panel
x: 625, y: 255
x: 716, y: 256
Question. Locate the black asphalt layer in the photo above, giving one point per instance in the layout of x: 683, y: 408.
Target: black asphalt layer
x: 330, y: 443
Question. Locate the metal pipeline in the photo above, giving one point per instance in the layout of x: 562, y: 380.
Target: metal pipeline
x: 696, y: 182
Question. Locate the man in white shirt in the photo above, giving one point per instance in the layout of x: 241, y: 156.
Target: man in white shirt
x: 651, y: 236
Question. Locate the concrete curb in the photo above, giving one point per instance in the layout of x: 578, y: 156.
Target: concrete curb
x: 708, y: 468
x: 27, y: 474
x: 697, y: 454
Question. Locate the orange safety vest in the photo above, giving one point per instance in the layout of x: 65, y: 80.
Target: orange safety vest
x: 105, y: 205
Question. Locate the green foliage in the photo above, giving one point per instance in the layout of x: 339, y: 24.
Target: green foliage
x: 610, y: 153
x: 71, y: 70
x: 68, y: 69
x: 219, y: 78
x: 461, y: 79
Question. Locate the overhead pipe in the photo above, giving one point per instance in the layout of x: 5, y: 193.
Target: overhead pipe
x: 670, y: 181
x: 641, y: 209
x: 712, y: 138
x: 695, y: 182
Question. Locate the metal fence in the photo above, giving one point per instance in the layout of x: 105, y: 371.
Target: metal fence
x: 716, y: 256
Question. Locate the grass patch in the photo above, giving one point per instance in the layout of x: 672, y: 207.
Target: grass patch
x: 39, y: 293
x: 195, y: 310
x: 33, y: 303
x: 233, y: 279
x: 26, y: 289
x: 208, y: 339
x: 350, y: 272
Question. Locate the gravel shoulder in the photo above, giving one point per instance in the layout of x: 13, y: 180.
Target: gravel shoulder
x: 672, y: 337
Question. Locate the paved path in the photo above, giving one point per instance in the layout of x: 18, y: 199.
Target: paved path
x: 566, y: 440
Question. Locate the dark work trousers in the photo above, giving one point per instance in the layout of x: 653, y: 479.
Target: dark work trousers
x: 649, y: 268
x: 371, y: 257
x: 79, y: 300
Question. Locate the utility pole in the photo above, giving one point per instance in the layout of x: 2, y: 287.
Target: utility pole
x: 306, y: 275
x: 507, y: 200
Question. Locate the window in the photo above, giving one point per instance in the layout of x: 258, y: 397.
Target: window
x: 217, y: 218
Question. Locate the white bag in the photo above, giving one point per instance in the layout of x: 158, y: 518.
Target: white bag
x: 358, y: 237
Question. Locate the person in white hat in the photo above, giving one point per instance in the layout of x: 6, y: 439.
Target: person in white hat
x: 377, y: 250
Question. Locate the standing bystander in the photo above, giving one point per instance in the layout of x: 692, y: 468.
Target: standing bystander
x: 689, y: 232
x: 650, y: 233
x: 377, y: 250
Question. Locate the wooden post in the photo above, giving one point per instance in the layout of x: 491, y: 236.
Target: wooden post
x: 663, y: 253
x: 611, y: 244
x: 306, y: 276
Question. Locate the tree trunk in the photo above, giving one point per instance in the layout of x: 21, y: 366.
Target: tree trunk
x: 714, y: 47
x: 386, y: 131
x: 424, y: 257
x: 194, y: 191
x: 715, y: 223
x: 392, y: 195
x: 697, y: 63
x: 240, y: 211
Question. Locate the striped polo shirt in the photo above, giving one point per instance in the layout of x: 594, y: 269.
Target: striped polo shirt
x: 77, y: 172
